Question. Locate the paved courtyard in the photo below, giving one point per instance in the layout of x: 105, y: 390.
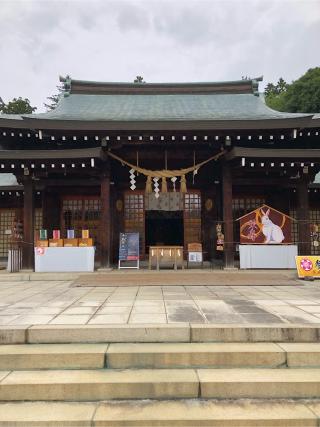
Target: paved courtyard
x: 59, y: 302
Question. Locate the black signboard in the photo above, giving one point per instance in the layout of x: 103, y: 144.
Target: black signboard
x: 129, y: 247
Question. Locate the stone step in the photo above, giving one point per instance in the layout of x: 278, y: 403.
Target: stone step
x: 151, y: 333
x: 122, y: 356
x: 94, y: 385
x: 206, y: 413
x: 162, y: 413
x: 259, y: 383
x: 47, y: 414
x: 161, y: 355
x: 52, y: 356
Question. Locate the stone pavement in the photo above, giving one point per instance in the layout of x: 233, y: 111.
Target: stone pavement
x: 58, y: 302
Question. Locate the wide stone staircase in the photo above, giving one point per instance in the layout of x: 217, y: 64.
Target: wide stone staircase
x: 166, y: 375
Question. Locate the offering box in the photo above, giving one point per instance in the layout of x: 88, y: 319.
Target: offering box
x: 86, y: 242
x: 55, y: 243
x: 42, y: 243
x: 70, y: 242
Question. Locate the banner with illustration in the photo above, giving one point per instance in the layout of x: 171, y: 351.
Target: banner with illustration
x: 308, y: 266
x: 265, y: 226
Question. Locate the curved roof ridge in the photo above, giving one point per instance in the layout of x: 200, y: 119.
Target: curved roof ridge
x: 74, y: 86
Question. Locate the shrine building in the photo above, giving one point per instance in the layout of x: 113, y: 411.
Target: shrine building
x: 167, y: 160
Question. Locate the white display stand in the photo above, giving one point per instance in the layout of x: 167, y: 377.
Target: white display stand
x: 65, y: 259
x: 268, y: 256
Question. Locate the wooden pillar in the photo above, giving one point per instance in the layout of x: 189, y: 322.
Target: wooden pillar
x: 208, y: 221
x: 227, y: 215
x: 28, y: 224
x: 116, y: 226
x: 105, y: 221
x: 303, y: 218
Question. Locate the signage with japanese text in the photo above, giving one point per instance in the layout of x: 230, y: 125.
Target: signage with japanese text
x: 308, y: 266
x: 129, y: 246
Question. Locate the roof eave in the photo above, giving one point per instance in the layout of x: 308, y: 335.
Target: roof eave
x: 176, y: 125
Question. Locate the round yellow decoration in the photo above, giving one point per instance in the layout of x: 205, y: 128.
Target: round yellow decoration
x: 209, y: 204
x: 119, y: 205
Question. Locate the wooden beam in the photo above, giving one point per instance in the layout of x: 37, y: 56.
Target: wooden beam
x: 297, y: 154
x: 227, y: 215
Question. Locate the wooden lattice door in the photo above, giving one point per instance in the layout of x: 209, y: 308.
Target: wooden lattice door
x: 7, y: 219
x: 192, y: 218
x: 134, y: 216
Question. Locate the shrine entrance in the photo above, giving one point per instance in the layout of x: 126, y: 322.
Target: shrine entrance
x: 164, y: 228
x: 172, y: 218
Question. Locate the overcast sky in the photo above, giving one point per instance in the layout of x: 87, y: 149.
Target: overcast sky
x: 162, y: 40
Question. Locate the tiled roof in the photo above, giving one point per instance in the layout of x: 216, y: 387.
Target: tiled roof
x: 164, y: 107
x: 217, y: 105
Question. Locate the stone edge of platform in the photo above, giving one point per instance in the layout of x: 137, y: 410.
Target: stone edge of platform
x: 153, y: 333
x: 136, y: 412
x: 36, y: 277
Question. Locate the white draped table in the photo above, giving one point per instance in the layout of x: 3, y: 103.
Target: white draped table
x: 268, y: 256
x: 64, y: 259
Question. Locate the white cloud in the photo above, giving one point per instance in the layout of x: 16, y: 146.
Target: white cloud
x: 163, y: 40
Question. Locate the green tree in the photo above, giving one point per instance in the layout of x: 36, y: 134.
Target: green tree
x: 17, y: 106
x: 275, y: 94
x: 301, y: 96
x: 54, y: 99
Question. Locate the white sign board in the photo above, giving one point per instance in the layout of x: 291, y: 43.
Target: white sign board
x: 195, y: 256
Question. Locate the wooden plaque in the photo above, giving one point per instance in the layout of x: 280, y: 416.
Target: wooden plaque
x: 194, y: 247
x: 265, y: 225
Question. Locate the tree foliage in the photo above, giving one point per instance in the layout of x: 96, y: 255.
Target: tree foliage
x: 301, y: 96
x: 54, y: 99
x: 17, y: 106
x: 274, y: 94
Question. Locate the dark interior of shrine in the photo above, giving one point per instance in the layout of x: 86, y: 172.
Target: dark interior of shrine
x: 164, y: 228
